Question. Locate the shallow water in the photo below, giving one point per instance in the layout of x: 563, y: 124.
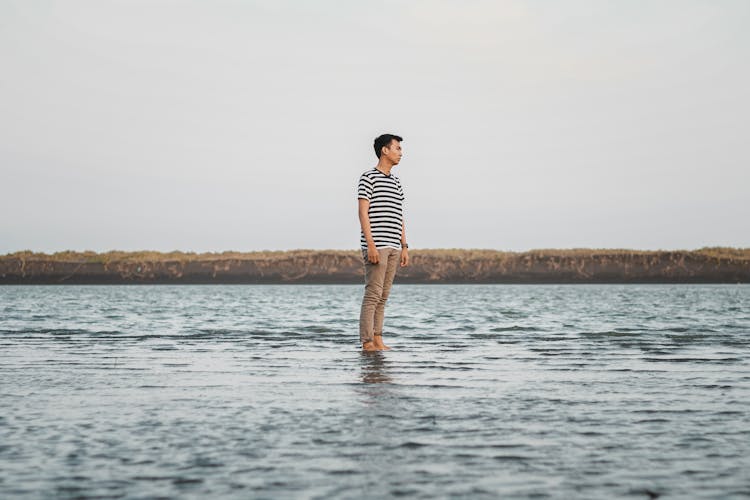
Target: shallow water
x: 539, y: 391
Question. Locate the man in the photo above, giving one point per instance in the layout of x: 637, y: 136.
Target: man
x: 383, y: 237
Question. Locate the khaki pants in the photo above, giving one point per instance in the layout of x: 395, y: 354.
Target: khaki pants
x: 378, y: 281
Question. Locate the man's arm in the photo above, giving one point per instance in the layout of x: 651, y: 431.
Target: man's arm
x: 364, y: 221
x: 404, y: 250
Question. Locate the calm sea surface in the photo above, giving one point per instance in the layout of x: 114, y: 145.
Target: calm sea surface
x: 492, y: 391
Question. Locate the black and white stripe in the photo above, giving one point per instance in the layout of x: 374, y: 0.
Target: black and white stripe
x: 386, y: 207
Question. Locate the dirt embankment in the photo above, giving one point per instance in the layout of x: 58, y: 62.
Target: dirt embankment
x: 708, y: 265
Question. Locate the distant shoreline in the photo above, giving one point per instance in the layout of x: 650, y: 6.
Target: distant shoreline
x: 432, y: 266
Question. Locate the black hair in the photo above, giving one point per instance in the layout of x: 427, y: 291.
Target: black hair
x: 383, y: 141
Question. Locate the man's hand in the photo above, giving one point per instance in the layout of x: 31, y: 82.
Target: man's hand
x: 404, y: 257
x: 372, y: 253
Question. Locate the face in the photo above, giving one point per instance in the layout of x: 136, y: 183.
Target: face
x: 392, y: 152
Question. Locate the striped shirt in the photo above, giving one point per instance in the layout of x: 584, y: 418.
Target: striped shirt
x: 386, y: 208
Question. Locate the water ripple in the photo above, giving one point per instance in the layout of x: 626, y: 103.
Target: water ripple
x: 588, y: 391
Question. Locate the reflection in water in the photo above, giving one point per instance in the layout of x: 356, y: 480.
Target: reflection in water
x: 374, y: 368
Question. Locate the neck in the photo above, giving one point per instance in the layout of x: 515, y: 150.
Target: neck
x: 384, y: 166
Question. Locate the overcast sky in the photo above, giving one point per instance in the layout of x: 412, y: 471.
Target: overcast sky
x: 244, y: 125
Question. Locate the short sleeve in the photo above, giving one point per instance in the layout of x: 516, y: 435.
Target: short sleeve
x: 364, y: 189
x: 401, y: 191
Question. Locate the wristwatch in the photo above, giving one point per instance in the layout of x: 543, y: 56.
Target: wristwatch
x: 404, y: 245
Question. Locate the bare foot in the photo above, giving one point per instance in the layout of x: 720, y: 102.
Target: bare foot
x: 379, y: 343
x: 369, y: 346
